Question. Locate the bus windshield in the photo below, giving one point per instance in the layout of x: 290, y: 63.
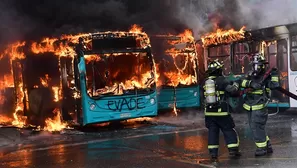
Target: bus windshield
x: 119, y: 73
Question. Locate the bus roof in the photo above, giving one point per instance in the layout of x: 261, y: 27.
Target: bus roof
x: 267, y: 33
x: 273, y: 31
x: 116, y: 42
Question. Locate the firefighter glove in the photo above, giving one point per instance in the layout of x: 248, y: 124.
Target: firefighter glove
x: 255, y: 85
x: 230, y: 88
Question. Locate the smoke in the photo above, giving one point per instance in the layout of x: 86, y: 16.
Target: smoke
x: 13, y: 23
x: 22, y: 20
x: 266, y: 13
x: 203, y: 16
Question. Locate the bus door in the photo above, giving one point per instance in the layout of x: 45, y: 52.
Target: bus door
x: 293, y: 70
x: 277, y: 55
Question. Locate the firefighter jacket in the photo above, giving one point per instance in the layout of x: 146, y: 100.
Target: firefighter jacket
x: 224, y: 88
x: 258, y: 98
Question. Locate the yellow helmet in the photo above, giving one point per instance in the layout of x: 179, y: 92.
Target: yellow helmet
x: 215, y: 66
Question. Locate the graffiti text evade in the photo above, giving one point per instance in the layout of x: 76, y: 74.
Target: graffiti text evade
x: 129, y: 103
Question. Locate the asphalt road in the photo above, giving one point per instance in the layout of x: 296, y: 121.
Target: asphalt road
x: 177, y: 143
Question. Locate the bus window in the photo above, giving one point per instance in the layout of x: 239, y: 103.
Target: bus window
x: 243, y: 53
x: 293, y: 58
x: 219, y: 51
x: 271, y: 54
x: 222, y: 53
x: 241, y: 58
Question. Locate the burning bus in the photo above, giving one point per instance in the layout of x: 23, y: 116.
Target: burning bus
x: 35, y: 90
x: 176, y: 61
x: 108, y: 76
x: 236, y: 48
x: 118, y: 81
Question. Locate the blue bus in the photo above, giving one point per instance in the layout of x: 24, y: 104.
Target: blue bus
x: 176, y: 61
x: 114, y: 77
x: 277, y: 43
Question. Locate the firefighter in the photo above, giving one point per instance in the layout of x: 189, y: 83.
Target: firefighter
x: 256, y: 100
x: 217, y: 117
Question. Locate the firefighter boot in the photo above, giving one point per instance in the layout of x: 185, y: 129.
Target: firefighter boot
x: 214, y: 159
x: 213, y: 155
x: 261, y: 151
x: 234, y: 152
x: 269, y: 147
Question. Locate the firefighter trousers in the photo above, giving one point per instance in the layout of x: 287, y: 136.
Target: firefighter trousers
x: 257, y: 121
x: 226, y: 125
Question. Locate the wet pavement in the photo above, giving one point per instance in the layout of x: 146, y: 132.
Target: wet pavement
x: 167, y: 142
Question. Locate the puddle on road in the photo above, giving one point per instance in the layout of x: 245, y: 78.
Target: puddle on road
x: 164, y: 128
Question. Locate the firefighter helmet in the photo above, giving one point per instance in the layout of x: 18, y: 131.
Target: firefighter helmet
x: 259, y: 63
x: 215, y: 68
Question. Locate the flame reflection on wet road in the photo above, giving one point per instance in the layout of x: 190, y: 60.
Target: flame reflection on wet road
x: 175, y: 149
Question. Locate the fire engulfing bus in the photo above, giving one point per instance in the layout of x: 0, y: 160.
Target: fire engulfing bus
x: 236, y: 48
x: 117, y: 81
x: 176, y: 64
x: 34, y: 79
x: 112, y: 78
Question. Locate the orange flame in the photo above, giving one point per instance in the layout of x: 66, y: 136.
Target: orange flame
x: 56, y: 93
x: 89, y: 58
x: 5, y: 119
x: 56, y: 123
x: 44, y: 81
x: 187, y: 36
x: 175, y: 110
x: 19, y: 118
x: 52, y: 45
x: 13, y: 51
x: 177, y: 78
x: 118, y: 88
x: 135, y: 29
x: 223, y: 36
x: 7, y: 81
x: 139, y: 119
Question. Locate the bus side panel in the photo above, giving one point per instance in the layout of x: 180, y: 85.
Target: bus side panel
x: 165, y: 98
x: 293, y: 86
x: 119, y: 108
x: 188, y: 97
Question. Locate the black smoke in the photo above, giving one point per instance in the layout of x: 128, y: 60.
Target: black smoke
x: 33, y: 19
x: 27, y: 20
